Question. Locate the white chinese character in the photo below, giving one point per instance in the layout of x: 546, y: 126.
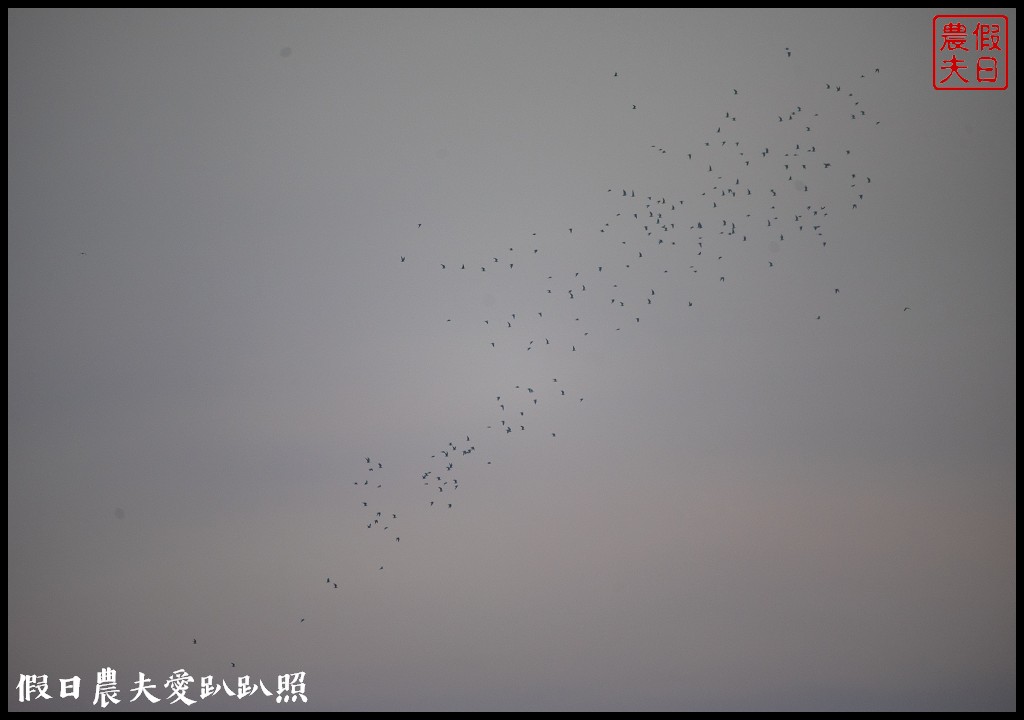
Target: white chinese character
x: 30, y: 685
x: 244, y: 688
x: 69, y: 687
x: 207, y: 688
x: 141, y: 688
x: 106, y: 687
x: 178, y: 682
x: 295, y: 684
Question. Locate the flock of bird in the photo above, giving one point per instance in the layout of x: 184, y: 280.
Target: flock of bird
x: 751, y: 198
x: 787, y: 191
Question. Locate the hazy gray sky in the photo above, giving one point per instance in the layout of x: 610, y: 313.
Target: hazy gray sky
x: 771, y: 496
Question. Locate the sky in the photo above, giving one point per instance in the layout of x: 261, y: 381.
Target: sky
x: 509, y: 360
